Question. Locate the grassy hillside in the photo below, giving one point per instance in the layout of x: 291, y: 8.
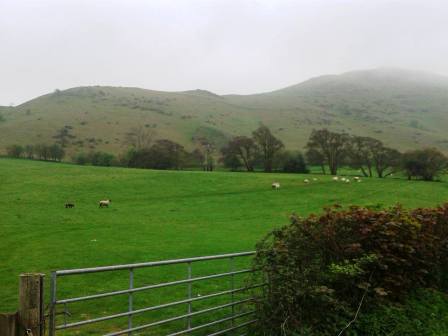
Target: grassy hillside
x: 406, y: 109
x: 156, y: 215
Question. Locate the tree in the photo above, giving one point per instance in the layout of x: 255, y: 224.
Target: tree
x: 164, y: 154
x: 42, y: 151
x: 385, y: 160
x: 168, y: 154
x: 242, y: 149
x: 101, y: 159
x: 15, y: 151
x: 81, y: 158
x: 360, y: 154
x: 426, y: 163
x: 315, y: 157
x: 56, y: 152
x: 369, y: 154
x: 295, y: 163
x: 29, y: 151
x: 197, y: 158
x: 140, y: 138
x: 63, y: 136
x: 208, y: 150
x: 269, y: 146
x: 231, y: 161
x: 331, y: 146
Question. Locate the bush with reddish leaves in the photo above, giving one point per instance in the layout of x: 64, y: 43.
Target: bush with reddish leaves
x: 321, y: 270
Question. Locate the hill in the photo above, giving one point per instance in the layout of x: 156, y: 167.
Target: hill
x: 406, y: 109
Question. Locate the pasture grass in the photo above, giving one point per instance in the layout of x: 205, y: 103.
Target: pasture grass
x: 156, y: 215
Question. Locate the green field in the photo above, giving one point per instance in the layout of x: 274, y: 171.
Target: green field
x: 157, y: 215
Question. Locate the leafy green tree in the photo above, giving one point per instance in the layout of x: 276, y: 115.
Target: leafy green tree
x: 316, y: 158
x: 331, y: 146
x: 242, y: 149
x: 42, y: 151
x: 81, y: 158
x: 164, y: 154
x: 56, y: 152
x: 427, y: 164
x: 101, y: 159
x: 231, y: 161
x: 295, y: 163
x: 369, y: 155
x: 360, y: 155
x: 268, y: 145
x: 386, y: 161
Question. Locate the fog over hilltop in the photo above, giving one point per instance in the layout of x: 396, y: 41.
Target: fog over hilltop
x: 225, y: 46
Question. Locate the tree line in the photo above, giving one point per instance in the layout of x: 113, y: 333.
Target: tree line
x: 261, y: 151
x: 370, y: 156
x: 264, y: 151
x: 44, y: 152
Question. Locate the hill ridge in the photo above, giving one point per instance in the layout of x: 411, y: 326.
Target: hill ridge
x: 404, y: 108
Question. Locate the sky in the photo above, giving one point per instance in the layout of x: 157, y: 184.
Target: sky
x: 224, y: 46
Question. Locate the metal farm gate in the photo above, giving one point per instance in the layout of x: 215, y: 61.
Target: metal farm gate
x: 227, y: 303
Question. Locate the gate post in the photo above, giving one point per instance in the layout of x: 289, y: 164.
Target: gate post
x: 8, y: 324
x: 31, y: 303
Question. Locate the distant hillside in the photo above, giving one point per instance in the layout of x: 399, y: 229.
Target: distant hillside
x: 405, y: 109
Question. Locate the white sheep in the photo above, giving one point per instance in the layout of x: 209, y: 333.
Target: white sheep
x: 104, y: 203
x: 275, y: 185
x: 306, y: 181
x: 347, y: 181
x: 335, y: 178
x: 314, y: 179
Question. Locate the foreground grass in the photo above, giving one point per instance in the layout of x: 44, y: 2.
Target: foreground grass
x: 156, y: 215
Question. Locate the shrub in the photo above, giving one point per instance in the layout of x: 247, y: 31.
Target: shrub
x: 321, y: 269
x: 426, y: 163
x: 295, y: 164
x: 80, y: 158
x: 102, y: 159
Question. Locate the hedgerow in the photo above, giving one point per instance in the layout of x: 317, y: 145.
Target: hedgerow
x: 324, y: 272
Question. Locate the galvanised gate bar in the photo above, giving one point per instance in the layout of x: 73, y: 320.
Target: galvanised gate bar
x: 234, y: 318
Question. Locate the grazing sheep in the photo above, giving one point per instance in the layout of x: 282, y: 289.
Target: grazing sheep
x: 306, y: 181
x: 314, y: 179
x: 347, y: 181
x: 275, y: 185
x: 335, y: 178
x: 343, y: 179
x: 69, y: 205
x: 356, y: 178
x: 104, y: 203
x: 359, y: 180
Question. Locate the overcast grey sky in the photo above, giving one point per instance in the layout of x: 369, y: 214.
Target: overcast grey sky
x: 228, y: 46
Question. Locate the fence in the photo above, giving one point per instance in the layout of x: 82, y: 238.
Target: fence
x: 235, y: 321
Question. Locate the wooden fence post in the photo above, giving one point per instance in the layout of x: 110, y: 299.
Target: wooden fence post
x: 31, y: 304
x: 8, y: 324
